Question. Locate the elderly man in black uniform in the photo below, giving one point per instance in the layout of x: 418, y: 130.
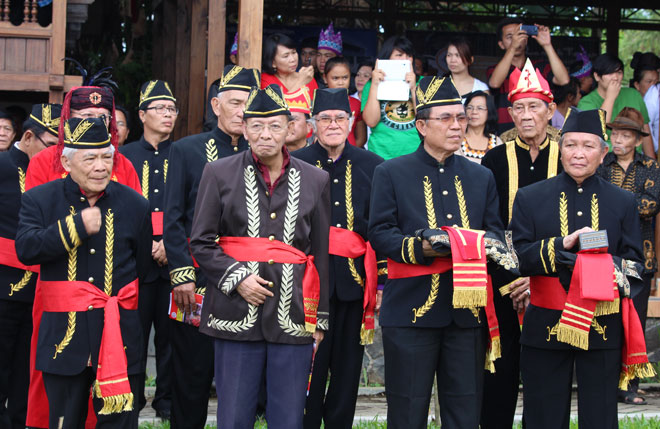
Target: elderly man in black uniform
x: 426, y: 330
x: 18, y: 281
x: 192, y: 352
x: 150, y: 157
x: 532, y: 156
x: 267, y: 299
x: 91, y: 237
x: 571, y: 322
x: 351, y: 275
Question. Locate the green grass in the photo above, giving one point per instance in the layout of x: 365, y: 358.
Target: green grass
x: 625, y: 423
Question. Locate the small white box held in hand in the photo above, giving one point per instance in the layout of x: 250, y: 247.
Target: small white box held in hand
x: 394, y: 87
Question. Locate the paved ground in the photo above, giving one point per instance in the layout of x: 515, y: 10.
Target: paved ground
x: 372, y: 405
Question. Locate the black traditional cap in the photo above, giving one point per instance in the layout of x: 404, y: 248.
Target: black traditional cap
x: 154, y: 90
x: 87, y: 133
x: 47, y: 117
x: 262, y: 103
x: 587, y: 121
x: 436, y: 91
x: 331, y: 99
x: 92, y: 96
x: 237, y: 77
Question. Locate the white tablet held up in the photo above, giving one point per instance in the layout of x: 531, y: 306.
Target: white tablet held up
x: 394, y: 87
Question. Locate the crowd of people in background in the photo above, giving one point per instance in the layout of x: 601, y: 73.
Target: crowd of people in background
x: 311, y: 99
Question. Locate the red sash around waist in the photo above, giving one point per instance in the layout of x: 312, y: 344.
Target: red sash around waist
x: 259, y: 249
x: 9, y: 258
x: 111, y: 383
x: 157, y: 223
x: 350, y: 244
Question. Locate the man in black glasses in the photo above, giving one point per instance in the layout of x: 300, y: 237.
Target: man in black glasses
x: 149, y: 155
x: 432, y: 311
x: 18, y: 281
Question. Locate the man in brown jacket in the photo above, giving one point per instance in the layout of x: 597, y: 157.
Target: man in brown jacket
x: 267, y: 296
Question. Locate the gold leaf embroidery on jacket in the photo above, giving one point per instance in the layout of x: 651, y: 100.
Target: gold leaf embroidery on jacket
x: 435, y: 278
x: 16, y: 287
x: 462, y: 206
x: 109, y: 251
x: 350, y: 218
x: 563, y: 214
x: 166, y: 164
x: 211, y: 151
x: 145, y: 179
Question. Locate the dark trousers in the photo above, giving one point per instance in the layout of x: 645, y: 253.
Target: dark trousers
x: 15, y: 334
x: 340, y: 352
x: 153, y: 304
x: 501, y: 388
x: 547, y: 376
x: 641, y: 303
x: 239, y: 366
x: 413, y: 356
x: 192, y: 372
x: 68, y: 398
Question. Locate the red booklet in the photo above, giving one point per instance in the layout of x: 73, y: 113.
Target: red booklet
x: 192, y: 319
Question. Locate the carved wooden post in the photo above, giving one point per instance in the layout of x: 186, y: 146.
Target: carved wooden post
x: 26, y: 11
x: 250, y: 31
x: 33, y: 18
x: 4, y: 5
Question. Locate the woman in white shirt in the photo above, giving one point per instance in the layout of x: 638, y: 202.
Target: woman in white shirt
x: 459, y: 59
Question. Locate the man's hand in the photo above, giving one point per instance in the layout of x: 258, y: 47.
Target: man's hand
x: 318, y: 337
x: 184, y: 297
x: 428, y: 249
x: 91, y: 218
x: 518, y: 40
x: 379, y: 301
x: 520, y: 293
x: 543, y: 37
x: 158, y: 253
x: 571, y: 239
x: 252, y: 291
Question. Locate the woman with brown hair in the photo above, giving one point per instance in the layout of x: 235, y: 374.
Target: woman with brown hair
x: 459, y: 59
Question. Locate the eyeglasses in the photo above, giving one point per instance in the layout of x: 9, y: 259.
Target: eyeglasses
x: 42, y: 141
x: 327, y: 120
x: 160, y: 110
x: 259, y: 128
x: 461, y: 118
x: 479, y: 109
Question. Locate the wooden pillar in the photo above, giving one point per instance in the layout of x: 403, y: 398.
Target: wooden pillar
x: 196, y: 87
x: 182, y: 65
x: 217, y: 28
x: 613, y: 25
x: 57, y: 52
x: 250, y: 31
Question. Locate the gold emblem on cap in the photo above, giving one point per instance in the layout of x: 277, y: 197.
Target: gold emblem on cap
x: 167, y: 86
x: 80, y: 130
x: 601, y: 115
x: 95, y: 98
x: 433, y: 87
x: 229, y: 76
x: 147, y: 90
x: 276, y: 98
x: 250, y: 99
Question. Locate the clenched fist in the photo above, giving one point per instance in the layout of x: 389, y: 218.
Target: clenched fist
x: 92, y: 219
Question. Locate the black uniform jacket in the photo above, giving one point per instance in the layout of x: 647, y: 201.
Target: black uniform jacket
x: 50, y: 223
x: 151, y: 166
x: 188, y: 157
x: 234, y: 202
x: 548, y: 211
x: 414, y: 192
x: 350, y: 188
x: 15, y: 284
x: 524, y: 172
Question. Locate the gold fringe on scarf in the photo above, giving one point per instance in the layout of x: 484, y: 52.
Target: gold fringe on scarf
x: 638, y: 370
x: 114, y: 404
x: 366, y: 336
x: 467, y: 297
x: 493, y: 353
x: 573, y: 336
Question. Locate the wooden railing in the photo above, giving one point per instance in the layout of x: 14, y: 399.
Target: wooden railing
x: 31, y: 55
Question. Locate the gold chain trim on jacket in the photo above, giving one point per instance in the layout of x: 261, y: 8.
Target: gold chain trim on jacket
x: 435, y: 278
x: 462, y: 207
x: 286, y: 287
x: 145, y: 179
x: 72, y: 267
x: 166, y: 165
x: 252, y: 203
x: 16, y: 287
x: 109, y: 251
x: 545, y: 268
x: 595, y: 221
x: 551, y: 254
x: 563, y: 214
x: 350, y: 218
x: 211, y: 151
x: 21, y: 179
x: 553, y: 159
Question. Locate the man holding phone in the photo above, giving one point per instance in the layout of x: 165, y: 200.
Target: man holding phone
x: 512, y: 38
